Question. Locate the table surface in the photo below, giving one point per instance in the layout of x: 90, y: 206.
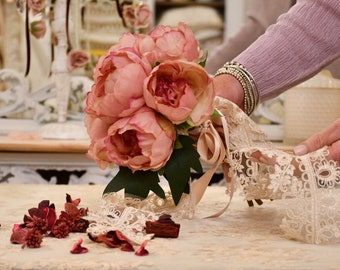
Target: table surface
x: 42, y: 145
x: 64, y: 146
x: 242, y: 238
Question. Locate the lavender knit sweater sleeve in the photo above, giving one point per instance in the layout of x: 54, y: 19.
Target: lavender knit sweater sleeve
x: 300, y: 44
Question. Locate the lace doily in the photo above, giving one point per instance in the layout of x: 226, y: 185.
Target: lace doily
x: 310, y: 184
x: 129, y: 215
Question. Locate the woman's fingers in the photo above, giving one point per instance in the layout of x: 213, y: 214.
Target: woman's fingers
x: 258, y: 156
x: 334, y: 151
x: 328, y: 137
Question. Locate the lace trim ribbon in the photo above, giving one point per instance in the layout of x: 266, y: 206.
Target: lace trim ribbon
x: 129, y: 215
x: 309, y: 185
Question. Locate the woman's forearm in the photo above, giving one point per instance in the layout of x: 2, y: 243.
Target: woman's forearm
x: 301, y: 43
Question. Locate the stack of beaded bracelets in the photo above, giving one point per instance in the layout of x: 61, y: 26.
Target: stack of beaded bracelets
x: 251, y: 94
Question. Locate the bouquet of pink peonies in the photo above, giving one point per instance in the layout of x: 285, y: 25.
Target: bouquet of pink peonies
x: 149, y: 91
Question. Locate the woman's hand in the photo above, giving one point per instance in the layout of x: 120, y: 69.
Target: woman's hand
x: 228, y: 87
x: 330, y: 137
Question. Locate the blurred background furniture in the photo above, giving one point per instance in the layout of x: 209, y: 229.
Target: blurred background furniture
x: 49, y: 162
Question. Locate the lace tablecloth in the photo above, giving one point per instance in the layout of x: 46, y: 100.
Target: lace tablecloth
x: 242, y: 238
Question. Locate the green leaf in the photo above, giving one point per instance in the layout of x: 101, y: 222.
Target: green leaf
x: 137, y: 184
x: 216, y: 114
x: 203, y: 59
x: 178, y: 169
x: 185, y: 126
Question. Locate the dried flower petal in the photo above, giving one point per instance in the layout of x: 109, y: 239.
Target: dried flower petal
x: 106, y: 239
x: 72, y: 210
x: 126, y: 246
x: 78, y: 249
x: 42, y: 220
x: 80, y: 225
x: 114, y: 239
x: 83, y: 212
x: 69, y: 200
x: 45, y: 203
x: 45, y: 211
x: 19, y: 234
x: 50, y: 215
x: 165, y: 218
x: 141, y: 251
x: 163, y: 227
x: 36, y: 212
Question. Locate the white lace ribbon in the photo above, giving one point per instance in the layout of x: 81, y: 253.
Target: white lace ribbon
x: 310, y: 185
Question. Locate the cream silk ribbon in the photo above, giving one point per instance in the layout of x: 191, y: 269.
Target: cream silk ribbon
x: 212, y: 151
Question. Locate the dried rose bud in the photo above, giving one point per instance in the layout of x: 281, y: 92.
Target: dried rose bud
x: 80, y: 225
x: 60, y: 229
x: 33, y: 239
x: 77, y: 59
x: 39, y: 224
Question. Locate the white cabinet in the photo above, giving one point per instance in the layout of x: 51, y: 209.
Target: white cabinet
x: 232, y: 12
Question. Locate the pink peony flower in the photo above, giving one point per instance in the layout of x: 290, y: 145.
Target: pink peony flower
x: 181, y: 91
x: 143, y: 45
x: 144, y: 16
x: 36, y: 6
x: 97, y: 130
x: 38, y: 29
x: 175, y: 43
x: 118, y: 83
x: 142, y: 141
x: 143, y: 88
x: 77, y: 59
x: 98, y: 153
x: 137, y: 16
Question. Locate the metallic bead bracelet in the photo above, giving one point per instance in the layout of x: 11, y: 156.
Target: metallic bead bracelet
x: 251, y: 94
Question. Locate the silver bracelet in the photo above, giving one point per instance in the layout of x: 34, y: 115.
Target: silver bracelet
x: 251, y: 94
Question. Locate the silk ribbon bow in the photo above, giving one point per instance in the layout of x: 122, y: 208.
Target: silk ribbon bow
x: 212, y: 151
